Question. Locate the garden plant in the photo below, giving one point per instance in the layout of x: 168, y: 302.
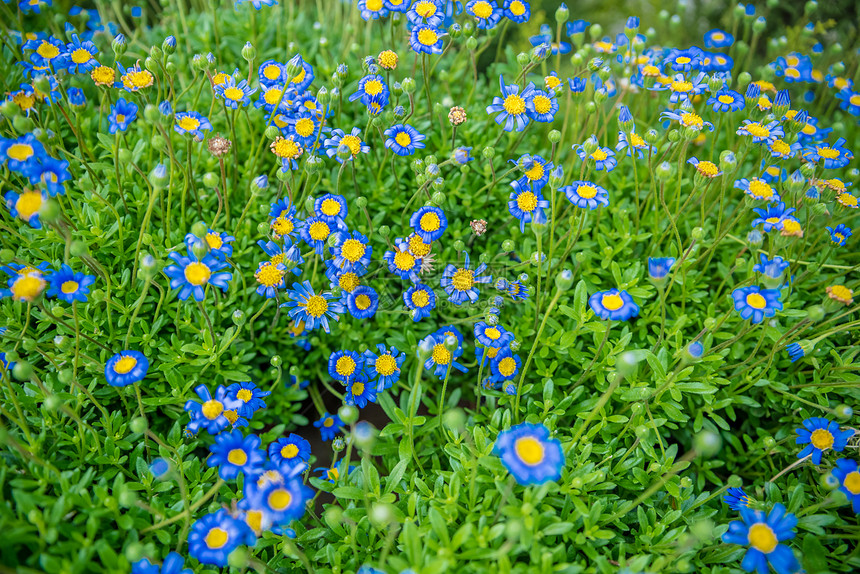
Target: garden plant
x: 428, y: 286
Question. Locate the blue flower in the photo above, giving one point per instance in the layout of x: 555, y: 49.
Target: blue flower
x: 383, y: 366
x: 26, y: 205
x: 329, y: 426
x: 634, y: 144
x: 687, y: 118
x: 736, y: 498
x: 211, y: 412
x: 314, y: 310
x: 763, y: 534
x: 126, y: 368
x: 716, y: 63
x: 527, y: 204
x: 362, y: 302
x: 233, y: 94
x: 402, y: 262
x: 846, y: 472
x: 682, y: 88
x: 441, y: 357
x: 773, y: 268
x: 462, y: 155
x: 536, y: 171
x: 48, y: 52
x: 659, y: 267
x: 613, y: 305
x: 291, y: 450
x: 684, y: 60
x: 831, y: 156
x: 839, y: 235
x: 191, y: 123
x: 351, y: 253
x: 305, y: 76
x: 577, y: 27
x: 21, y: 153
x: 797, y: 351
x: 486, y: 13
x: 757, y: 188
x: 351, y: 142
x: 233, y: 453
x: 69, y: 286
x: 461, y: 283
x: 771, y: 217
x: 420, y: 299
x: 250, y: 395
x: 271, y: 72
x: 370, y: 86
x: 492, y: 335
x: 426, y: 39
x: 542, y: 106
x: 756, y: 303
x: 214, y: 536
x: 517, y: 11
x: 121, y: 115
x: 585, y: 194
x: 820, y: 434
x: 403, y: 139
x: 717, y: 38
x: 332, y: 210
x: 359, y: 392
x: 344, y: 365
x: 372, y: 9
x: 726, y: 100
x: 51, y: 173
x: 603, y: 157
x: 218, y: 243
x: 80, y: 55
x: 173, y: 564
x: 761, y: 133
x: 191, y: 275
x: 315, y: 232
x: 529, y: 454
x: 429, y: 223
x: 512, y: 106
x: 506, y: 365
x: 429, y: 12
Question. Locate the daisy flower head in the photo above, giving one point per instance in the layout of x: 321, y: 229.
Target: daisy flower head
x: 683, y: 89
x: 214, y: 536
x: 762, y: 533
x: 603, y: 157
x: 420, y: 299
x: 613, y: 305
x: 69, y: 286
x: 343, y: 146
x: 687, y: 118
x: 706, y: 169
x: 271, y: 96
x: 717, y: 38
x: 849, y: 101
x: 250, y: 395
x: 492, y: 335
x: 191, y: 275
x: 312, y: 309
x: 444, y: 351
x: 461, y: 283
x: 270, y: 278
x: 359, y: 392
x: 329, y: 425
x: 291, y: 450
x: 819, y: 435
x: 772, y: 268
x: 362, y: 302
x: 50, y: 172
x: 486, y: 13
x: 736, y: 498
x: 211, y: 412
x: 584, y: 194
x: 757, y: 189
x: 351, y: 252
x: 839, y: 235
x: 840, y: 293
x: 542, y: 106
x: 304, y: 127
x: 684, y: 60
x: 527, y: 204
x: 234, y: 453
x: 535, y: 169
x: 235, y: 95
x: 848, y: 475
x: 315, y: 232
x: 332, y: 210
x: 760, y: 132
x: 517, y: 11
x: 756, y: 303
x: 402, y: 262
x: 191, y: 123
x: 80, y: 55
x: 529, y: 454
x: 370, y: 86
x: 288, y: 150
x: 717, y: 63
x: 25, y: 283
x: 269, y: 72
x: 772, y: 216
x: 780, y: 149
x: 726, y: 100
x: 26, y: 205
x: 134, y: 79
x: 429, y: 223
x: 48, y: 52
x: 846, y: 199
x: 512, y: 107
x: 122, y: 113
x: 372, y: 9
x: 383, y: 366
x: 506, y: 365
x: 403, y: 139
x: 426, y: 39
x: 634, y: 144
x: 831, y: 156
x: 218, y: 243
x: 426, y: 12
x: 126, y: 368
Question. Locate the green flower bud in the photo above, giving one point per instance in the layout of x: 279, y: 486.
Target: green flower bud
x: 22, y: 371
x: 210, y: 180
x: 507, y: 245
x: 554, y: 136
x: 522, y: 59
x: 249, y: 52
x: 459, y: 245
x: 138, y: 425
x: 707, y: 443
x: 348, y: 414
x: 408, y: 85
x: 471, y: 42
x: 239, y: 317
x: 562, y: 14
x: 564, y: 280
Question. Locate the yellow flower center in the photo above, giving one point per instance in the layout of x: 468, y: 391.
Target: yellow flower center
x: 345, y: 366
x: 507, y: 366
x: 374, y: 5
x: 586, y: 191
x: 425, y: 9
x: 682, y: 60
x: 244, y: 395
x: 724, y: 99
x: 305, y: 127
x: 855, y: 100
x: 103, y: 75
x: 441, y: 355
x: 254, y: 520
x: 69, y: 287
x: 27, y: 287
x: 20, y: 151
x: 847, y: 200
x: 822, y: 439
x: 124, y: 365
x: 363, y: 302
x: 760, y: 189
x: 551, y: 82
x: 707, y: 168
x: 542, y: 104
x: 535, y: 172
x: 135, y: 80
x: 682, y: 87
x: 24, y: 101
x: 463, y: 279
x: 81, y: 56
x: 231, y: 416
x: 328, y: 422
x: 514, y: 105
x: 272, y: 96
x: 404, y: 260
x: 216, y: 538
x: 352, y: 250
x: 427, y: 37
x: 353, y: 143
x: 289, y: 451
x: 691, y: 120
x: 348, y: 282
x: 319, y: 231
x: 827, y: 152
x: 635, y: 140
x: 529, y: 450
x: 517, y: 8
x: 373, y: 87
x: 756, y: 301
x: 316, y: 306
x: 762, y: 538
x: 599, y: 155
x: 781, y: 147
x: 28, y: 204
x: 286, y: 148
x: 197, y: 273
x: 852, y: 482
x: 237, y: 456
x: 417, y: 246
x: 482, y: 9
x: 214, y: 241
x: 430, y: 221
x: 279, y: 499
x: 403, y: 139
x: 757, y: 130
x: 612, y: 301
x: 388, y: 59
x: 212, y: 409
x: 269, y: 275
x: 420, y: 298
x: 385, y: 365
x: 357, y: 389
x: 234, y: 93
x: 187, y: 123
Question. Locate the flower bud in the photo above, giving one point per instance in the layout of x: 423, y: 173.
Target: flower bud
x: 119, y: 45
x: 562, y: 13
x: 348, y: 414
x: 169, y: 45
x: 564, y: 280
x: 249, y: 52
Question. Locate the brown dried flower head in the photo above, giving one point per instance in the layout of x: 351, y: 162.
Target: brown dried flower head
x: 218, y: 146
x: 457, y: 116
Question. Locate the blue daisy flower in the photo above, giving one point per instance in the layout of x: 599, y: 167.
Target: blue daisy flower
x: 250, y: 395
x: 428, y: 12
x: 603, y: 157
x: 761, y: 133
x: 26, y: 205
x: 536, y: 171
x: 359, y: 392
x: 312, y: 309
x: 122, y: 113
x: 819, y: 435
x: 756, y: 303
x: 717, y: 38
x: 305, y: 76
x: 305, y: 128
x: 762, y: 535
x: 69, y: 286
x: 191, y: 275
x: 492, y: 335
x: 315, y: 232
x: 542, y: 106
x: 291, y: 450
x: 234, y: 452
x: 659, y: 267
x: 429, y: 223
x: 403, y: 139
x: 351, y: 141
x: 271, y: 72
x: 372, y: 9
x: 839, y: 235
x: 51, y: 173
x: 126, y: 368
x: 344, y: 365
x: 402, y: 262
x: 191, y: 123
x: 848, y: 475
x: 529, y: 454
x: 486, y: 13
x: 370, y: 86
x: 717, y: 63
x: 329, y: 425
x: 585, y: 194
x: 773, y: 268
x: 420, y: 299
x: 362, y: 302
x: 461, y: 283
x: 214, y: 536
x: 331, y: 209
x: 81, y: 55
x: 506, y: 365
x: 48, y: 52
x: 831, y: 156
x: 383, y: 366
x: 426, y: 39
x: 758, y: 188
x: 271, y: 96
x: 726, y: 100
x: 736, y: 498
x: 684, y: 60
x: 683, y: 89
x: 527, y: 205
x: 512, y: 106
x: 686, y: 118
x: 613, y: 305
x: 234, y: 94
x: 441, y: 357
x: 210, y: 412
x: 351, y: 253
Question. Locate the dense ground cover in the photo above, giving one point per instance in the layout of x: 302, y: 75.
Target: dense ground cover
x: 427, y: 286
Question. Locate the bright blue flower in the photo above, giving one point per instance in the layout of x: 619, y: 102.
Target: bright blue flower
x: 517, y: 11
x: 659, y: 267
x: 846, y: 472
x: 351, y: 252
x: 375, y: 11
x: 613, y: 305
x: 695, y: 350
x: 80, y: 55
x: 209, y: 412
x: 819, y: 435
x: 682, y: 88
x: 717, y: 38
x: 797, y: 351
x: 234, y: 94
x: 763, y: 534
x: 427, y: 12
x: 756, y: 303
x: 344, y: 365
x: 773, y: 268
x: 403, y: 139
x: 126, y: 368
x: 542, y: 106
x: 291, y: 450
x: 250, y: 395
x: 529, y: 454
x: 506, y: 365
x: 771, y: 217
x: 20, y: 154
x: 687, y: 118
x: 527, y: 205
x: 26, y: 205
x: 329, y: 425
x: 383, y: 366
x: 351, y: 141
x: 370, y: 86
x: 271, y: 72
x: 760, y: 132
x: 585, y: 194
x: 362, y: 302
x: 684, y: 60
x: 233, y: 453
x: 359, y: 392
x: 214, y: 536
x: 757, y: 189
x: 173, y: 564
x: 76, y: 97
x: 603, y: 157
x: 831, y: 156
x: 839, y: 235
x: 401, y: 262
x: 48, y: 52
x: 512, y: 106
x: 492, y: 335
x: 441, y: 357
x: 486, y: 13
x: 429, y: 223
x: 576, y: 27
x: 191, y: 275
x: 716, y: 63
x: 726, y: 100
x: 314, y: 310
x: 461, y: 283
x: 69, y: 286
x: 426, y: 39
x: 191, y: 123
x: 121, y: 115
x: 50, y: 172
x: 420, y: 299
x: 546, y: 38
